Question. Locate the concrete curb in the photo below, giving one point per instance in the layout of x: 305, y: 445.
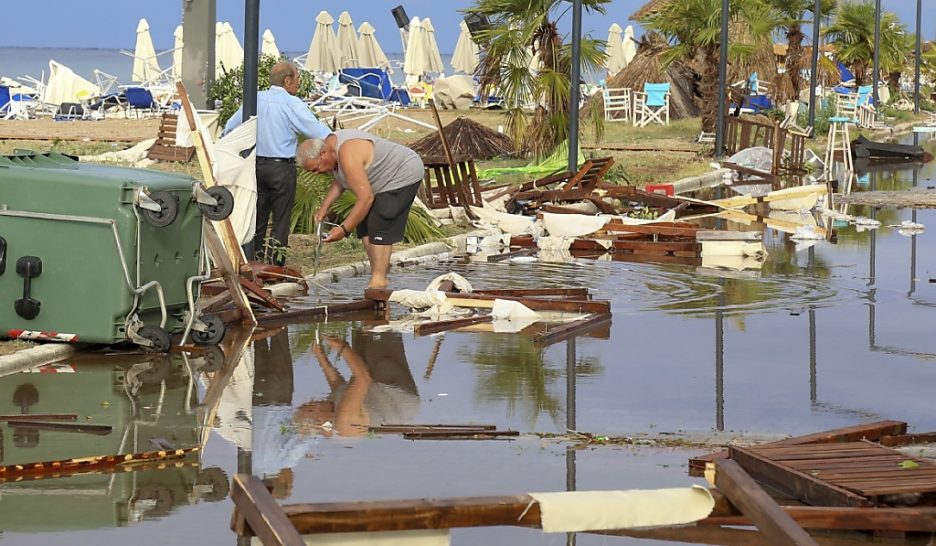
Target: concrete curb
x: 34, y: 356
x: 423, y: 254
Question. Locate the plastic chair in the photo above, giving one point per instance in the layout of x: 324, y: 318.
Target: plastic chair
x: 617, y: 100
x: 371, y: 82
x: 865, y: 105
x: 652, y: 105
x: 140, y: 100
x: 13, y: 105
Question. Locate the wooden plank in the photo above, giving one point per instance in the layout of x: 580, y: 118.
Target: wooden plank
x: 263, y: 294
x: 571, y: 329
x: 460, y: 434
x: 400, y: 429
x: 87, y: 464
x: 484, y: 301
x: 100, y: 430
x: 909, y: 519
x: 778, y: 527
x: 908, y: 439
x: 580, y: 293
x: 654, y: 229
x: 794, y: 483
x: 426, y: 328
x: 262, y: 513
x: 657, y: 247
x: 40, y: 417
x: 326, y: 310
x: 493, y: 258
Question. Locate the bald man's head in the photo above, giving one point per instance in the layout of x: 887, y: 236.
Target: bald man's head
x: 281, y: 72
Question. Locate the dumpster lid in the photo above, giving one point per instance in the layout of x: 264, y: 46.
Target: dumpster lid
x: 30, y: 158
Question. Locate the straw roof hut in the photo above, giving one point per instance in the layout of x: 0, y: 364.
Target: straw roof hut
x: 650, y: 8
x: 467, y: 138
x: 648, y: 67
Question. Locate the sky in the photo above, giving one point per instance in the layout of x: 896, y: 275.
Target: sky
x: 83, y: 25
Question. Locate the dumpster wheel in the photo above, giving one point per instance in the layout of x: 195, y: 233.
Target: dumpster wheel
x: 224, y: 206
x: 212, y: 359
x: 158, y: 336
x: 213, y: 333
x: 169, y: 209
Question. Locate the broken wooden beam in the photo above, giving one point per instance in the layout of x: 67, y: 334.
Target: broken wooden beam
x: 86, y: 464
x: 426, y: 328
x: 512, y: 254
x: 881, y: 518
x: 578, y: 293
x: 459, y: 434
x: 570, y: 329
x: 401, y: 429
x: 101, y: 430
x: 484, y: 301
x: 908, y: 439
x: 778, y: 527
x: 40, y: 417
x: 262, y: 513
x: 664, y: 229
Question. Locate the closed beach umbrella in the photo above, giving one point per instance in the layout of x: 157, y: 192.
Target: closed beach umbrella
x: 465, y: 58
x: 66, y: 86
x: 177, y: 54
x: 347, y: 42
x: 370, y: 53
x: 629, y: 45
x: 322, y: 56
x: 145, y: 66
x: 435, y: 57
x: 416, y: 59
x: 615, y: 49
x: 269, y: 45
x: 229, y: 54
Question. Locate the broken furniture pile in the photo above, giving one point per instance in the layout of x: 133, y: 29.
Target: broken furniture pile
x: 743, y: 132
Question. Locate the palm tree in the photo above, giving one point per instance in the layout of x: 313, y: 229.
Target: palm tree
x: 852, y: 33
x: 792, y: 17
x: 526, y: 62
x: 693, y: 27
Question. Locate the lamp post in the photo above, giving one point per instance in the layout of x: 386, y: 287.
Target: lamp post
x: 916, y: 64
x: 814, y: 68
x: 575, y: 81
x: 722, y: 83
x: 877, y: 49
x: 251, y: 56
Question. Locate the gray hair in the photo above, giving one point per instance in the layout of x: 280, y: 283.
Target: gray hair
x: 310, y: 149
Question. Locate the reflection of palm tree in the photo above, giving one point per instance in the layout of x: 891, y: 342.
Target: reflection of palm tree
x: 515, y: 370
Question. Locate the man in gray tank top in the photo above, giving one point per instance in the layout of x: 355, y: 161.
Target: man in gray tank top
x: 384, y: 178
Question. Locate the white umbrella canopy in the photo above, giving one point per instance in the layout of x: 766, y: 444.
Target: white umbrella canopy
x: 178, y: 43
x: 370, y: 53
x: 629, y: 45
x: 66, y: 86
x: 228, y: 52
x: 145, y: 66
x: 269, y: 45
x: 347, y: 42
x: 435, y: 58
x: 322, y: 56
x: 615, y: 50
x: 467, y: 52
x: 416, y: 59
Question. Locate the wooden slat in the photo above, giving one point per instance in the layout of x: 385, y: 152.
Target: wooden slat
x: 460, y: 434
x: 571, y: 329
x: 100, y: 430
x: 262, y: 513
x: 778, y: 527
x: 580, y: 293
x: 40, y: 417
x: 922, y: 519
x: 427, y: 328
x: 794, y: 483
x: 653, y: 229
x: 486, y: 301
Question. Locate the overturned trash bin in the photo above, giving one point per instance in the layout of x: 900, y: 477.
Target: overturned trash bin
x: 101, y: 254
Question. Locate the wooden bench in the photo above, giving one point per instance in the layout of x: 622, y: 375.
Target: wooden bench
x: 165, y: 148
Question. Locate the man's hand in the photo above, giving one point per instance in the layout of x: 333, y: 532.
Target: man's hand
x: 320, y: 215
x: 336, y: 234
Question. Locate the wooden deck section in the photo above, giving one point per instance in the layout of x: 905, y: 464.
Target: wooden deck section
x: 860, y: 473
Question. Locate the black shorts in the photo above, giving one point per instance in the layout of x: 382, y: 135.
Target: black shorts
x: 386, y: 220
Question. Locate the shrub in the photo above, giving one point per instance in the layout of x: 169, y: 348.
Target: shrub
x: 227, y: 92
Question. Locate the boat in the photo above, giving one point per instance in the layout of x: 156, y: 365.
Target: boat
x: 864, y: 148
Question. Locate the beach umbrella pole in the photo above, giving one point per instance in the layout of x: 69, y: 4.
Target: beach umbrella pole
x: 877, y: 49
x: 251, y: 56
x: 814, y: 68
x: 722, y: 83
x: 575, y: 80
x: 916, y: 63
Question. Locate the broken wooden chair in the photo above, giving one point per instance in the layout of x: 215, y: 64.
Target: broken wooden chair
x: 570, y: 186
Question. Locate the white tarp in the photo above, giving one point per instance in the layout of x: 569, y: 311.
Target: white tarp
x: 238, y: 174
x: 269, y: 45
x: 435, y: 57
x: 323, y: 51
x: 574, y: 511
x: 145, y: 65
x: 513, y: 224
x: 177, y: 46
x: 370, y: 54
x: 454, y: 92
x: 615, y: 50
x: 66, y: 86
x: 466, y: 55
x: 229, y: 54
x: 347, y: 42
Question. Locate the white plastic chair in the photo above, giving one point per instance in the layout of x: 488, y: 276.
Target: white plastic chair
x: 617, y: 100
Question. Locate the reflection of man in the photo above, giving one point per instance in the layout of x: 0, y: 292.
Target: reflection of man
x: 381, y: 388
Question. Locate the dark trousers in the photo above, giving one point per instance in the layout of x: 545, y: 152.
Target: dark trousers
x: 276, y: 194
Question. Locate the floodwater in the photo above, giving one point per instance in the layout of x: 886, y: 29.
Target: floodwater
x: 815, y: 339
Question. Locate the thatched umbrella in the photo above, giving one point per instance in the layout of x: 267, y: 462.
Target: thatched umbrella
x: 466, y: 138
x: 650, y: 8
x: 648, y: 67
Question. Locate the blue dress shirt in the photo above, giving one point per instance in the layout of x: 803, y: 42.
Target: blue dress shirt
x: 280, y: 118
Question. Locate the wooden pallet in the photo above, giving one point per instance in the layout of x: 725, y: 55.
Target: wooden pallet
x: 164, y: 148
x: 859, y: 473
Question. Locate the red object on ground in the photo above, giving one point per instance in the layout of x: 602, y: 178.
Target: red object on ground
x: 665, y: 189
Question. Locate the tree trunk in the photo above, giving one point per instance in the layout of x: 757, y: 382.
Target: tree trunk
x: 708, y: 88
x: 794, y: 58
x: 894, y: 83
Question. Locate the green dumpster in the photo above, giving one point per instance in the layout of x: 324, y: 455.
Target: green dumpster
x: 99, y: 254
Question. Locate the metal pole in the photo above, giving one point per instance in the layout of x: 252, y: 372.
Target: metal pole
x: 251, y: 56
x: 722, y: 83
x: 575, y: 81
x: 877, y: 49
x: 814, y: 69
x: 916, y: 64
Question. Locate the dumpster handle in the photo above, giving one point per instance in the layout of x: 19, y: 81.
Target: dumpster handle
x: 137, y: 292
x: 204, y: 275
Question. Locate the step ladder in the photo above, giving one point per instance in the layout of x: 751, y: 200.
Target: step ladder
x: 839, y: 141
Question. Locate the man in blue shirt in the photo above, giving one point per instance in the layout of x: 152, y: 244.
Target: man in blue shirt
x: 281, y: 117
